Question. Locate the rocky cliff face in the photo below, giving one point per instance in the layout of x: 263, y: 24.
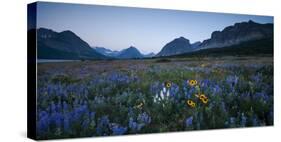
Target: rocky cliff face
x: 177, y: 46
x: 238, y: 33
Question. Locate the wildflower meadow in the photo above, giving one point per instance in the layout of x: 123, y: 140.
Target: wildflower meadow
x: 120, y: 97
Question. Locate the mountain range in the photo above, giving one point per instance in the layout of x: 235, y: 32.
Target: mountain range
x: 229, y: 36
x: 67, y: 45
x: 63, y: 45
x: 238, y: 33
x: 106, y: 52
x: 131, y: 52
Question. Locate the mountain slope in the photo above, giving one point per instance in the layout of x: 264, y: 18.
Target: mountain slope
x: 63, y: 45
x: 249, y: 48
x: 177, y: 46
x: 238, y: 33
x: 130, y: 53
x: 106, y: 52
x: 149, y: 55
x: 229, y: 36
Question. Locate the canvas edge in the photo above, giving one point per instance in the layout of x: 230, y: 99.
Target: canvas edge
x: 31, y: 70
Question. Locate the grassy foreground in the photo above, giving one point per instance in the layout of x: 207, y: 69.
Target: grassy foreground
x: 99, y: 98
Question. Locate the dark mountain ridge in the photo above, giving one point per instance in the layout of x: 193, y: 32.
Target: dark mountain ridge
x: 258, y: 47
x: 63, y: 45
x: 238, y: 33
x: 67, y: 45
x: 177, y: 46
x: 229, y: 36
x: 130, y: 53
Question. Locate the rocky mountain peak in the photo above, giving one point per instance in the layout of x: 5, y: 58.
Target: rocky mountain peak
x: 238, y: 33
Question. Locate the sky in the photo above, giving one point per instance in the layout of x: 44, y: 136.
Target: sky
x: 117, y: 28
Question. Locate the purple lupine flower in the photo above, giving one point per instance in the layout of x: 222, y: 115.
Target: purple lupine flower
x: 144, y: 118
x: 53, y: 107
x: 118, y: 130
x: 43, y: 123
x: 56, y: 119
x: 66, y: 124
x: 217, y: 89
x: 189, y: 121
x: 155, y: 87
x: 232, y: 80
x: 232, y: 120
x: 261, y: 96
x: 79, y: 111
x: 174, y: 90
x: 64, y: 106
x: 85, y: 123
x: 132, y: 124
x: 243, y: 120
x: 103, y: 126
x: 205, y: 83
x: 92, y: 115
x: 255, y: 121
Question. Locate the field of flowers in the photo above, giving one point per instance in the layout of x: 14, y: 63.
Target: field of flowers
x: 101, y: 98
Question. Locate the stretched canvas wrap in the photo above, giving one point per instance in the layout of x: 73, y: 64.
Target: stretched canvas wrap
x: 98, y: 70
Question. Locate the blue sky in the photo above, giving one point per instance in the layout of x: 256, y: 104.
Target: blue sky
x: 149, y: 30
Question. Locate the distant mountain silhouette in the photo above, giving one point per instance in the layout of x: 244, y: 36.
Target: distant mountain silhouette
x: 130, y: 53
x: 238, y: 33
x: 196, y: 45
x: 63, y: 45
x: 107, y: 52
x: 149, y: 55
x: 247, y: 48
x: 67, y: 45
x: 229, y: 36
x: 178, y: 46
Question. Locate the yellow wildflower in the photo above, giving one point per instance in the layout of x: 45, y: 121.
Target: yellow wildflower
x: 202, y: 96
x: 168, y: 84
x: 140, y: 106
x: 191, y: 103
x: 204, y: 100
x: 192, y: 82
